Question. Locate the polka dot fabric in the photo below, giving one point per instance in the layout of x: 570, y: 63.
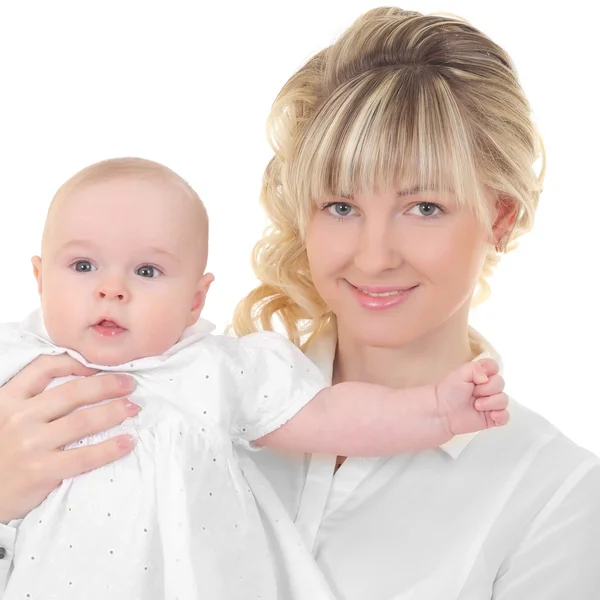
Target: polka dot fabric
x: 176, y: 518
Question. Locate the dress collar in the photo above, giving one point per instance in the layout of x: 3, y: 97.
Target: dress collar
x: 34, y: 326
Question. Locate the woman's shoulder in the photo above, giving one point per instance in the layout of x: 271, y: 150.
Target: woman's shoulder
x: 530, y: 429
x: 534, y: 454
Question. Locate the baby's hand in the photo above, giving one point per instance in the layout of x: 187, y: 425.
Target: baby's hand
x: 472, y: 398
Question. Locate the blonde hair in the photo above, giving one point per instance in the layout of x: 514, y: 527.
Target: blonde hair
x: 427, y: 100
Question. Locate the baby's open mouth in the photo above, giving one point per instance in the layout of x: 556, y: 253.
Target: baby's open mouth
x: 106, y: 323
x: 108, y: 328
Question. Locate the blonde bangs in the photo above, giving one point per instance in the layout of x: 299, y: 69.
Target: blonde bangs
x: 401, y: 100
x: 387, y: 128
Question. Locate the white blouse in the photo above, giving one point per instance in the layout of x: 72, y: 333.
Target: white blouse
x: 511, y: 513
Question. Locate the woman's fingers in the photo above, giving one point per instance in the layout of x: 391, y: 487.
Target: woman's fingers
x: 67, y: 397
x: 70, y: 463
x: 35, y: 377
x: 87, y: 421
x: 36, y: 423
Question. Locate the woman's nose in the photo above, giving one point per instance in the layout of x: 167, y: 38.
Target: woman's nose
x: 376, y: 250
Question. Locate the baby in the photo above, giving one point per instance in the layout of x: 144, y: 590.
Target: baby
x: 122, y: 284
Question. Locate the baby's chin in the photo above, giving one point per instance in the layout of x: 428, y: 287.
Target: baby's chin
x: 112, y: 354
x: 110, y: 350
x: 109, y: 357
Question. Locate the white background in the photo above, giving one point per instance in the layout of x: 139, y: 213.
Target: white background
x: 190, y: 84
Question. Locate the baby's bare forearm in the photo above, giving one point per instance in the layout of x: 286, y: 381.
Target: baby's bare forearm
x: 361, y: 419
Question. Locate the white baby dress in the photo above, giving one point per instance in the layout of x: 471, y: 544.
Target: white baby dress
x: 176, y: 519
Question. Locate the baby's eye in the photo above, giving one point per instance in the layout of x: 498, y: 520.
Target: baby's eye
x: 148, y: 271
x: 83, y: 266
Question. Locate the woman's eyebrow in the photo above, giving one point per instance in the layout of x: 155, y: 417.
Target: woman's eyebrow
x: 414, y: 190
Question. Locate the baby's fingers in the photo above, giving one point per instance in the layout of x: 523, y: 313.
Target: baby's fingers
x: 490, y: 366
x: 491, y: 403
x: 494, y: 385
x: 499, y: 417
x: 474, y: 372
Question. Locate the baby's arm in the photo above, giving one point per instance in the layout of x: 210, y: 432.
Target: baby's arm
x: 361, y: 419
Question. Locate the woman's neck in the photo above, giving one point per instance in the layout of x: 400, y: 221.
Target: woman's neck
x: 422, y: 362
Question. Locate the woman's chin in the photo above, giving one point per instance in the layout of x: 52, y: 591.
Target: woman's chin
x: 382, y: 334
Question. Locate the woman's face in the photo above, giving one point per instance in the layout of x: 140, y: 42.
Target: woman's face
x: 395, y: 265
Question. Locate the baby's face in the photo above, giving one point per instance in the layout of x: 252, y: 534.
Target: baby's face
x: 122, y: 268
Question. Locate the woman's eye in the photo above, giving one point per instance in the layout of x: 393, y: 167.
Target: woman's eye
x: 148, y: 271
x: 340, y: 209
x: 426, y: 209
x: 83, y: 266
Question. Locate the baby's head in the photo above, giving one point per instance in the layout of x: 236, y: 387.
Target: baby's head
x: 124, y: 250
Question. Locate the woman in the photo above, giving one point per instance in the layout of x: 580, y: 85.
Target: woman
x: 402, y: 169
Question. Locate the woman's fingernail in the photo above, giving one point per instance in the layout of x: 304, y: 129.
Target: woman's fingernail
x: 126, y: 442
x: 131, y: 407
x: 479, y: 405
x: 126, y: 381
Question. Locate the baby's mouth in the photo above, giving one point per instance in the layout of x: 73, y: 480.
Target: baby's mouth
x: 108, y: 328
x: 107, y: 323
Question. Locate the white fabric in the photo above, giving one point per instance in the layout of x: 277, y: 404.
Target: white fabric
x: 512, y: 513
x: 7, y: 547
x: 509, y: 514
x: 175, y: 518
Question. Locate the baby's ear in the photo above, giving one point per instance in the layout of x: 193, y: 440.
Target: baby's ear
x: 36, y: 262
x: 200, y: 297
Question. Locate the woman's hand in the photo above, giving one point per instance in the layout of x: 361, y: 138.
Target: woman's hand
x: 35, y: 424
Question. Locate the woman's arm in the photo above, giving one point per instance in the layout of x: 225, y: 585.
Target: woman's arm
x: 559, y: 556
x: 35, y: 424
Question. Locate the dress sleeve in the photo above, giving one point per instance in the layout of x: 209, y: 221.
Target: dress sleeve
x: 275, y: 381
x: 559, y: 555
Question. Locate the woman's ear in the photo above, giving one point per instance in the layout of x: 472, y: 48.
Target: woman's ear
x: 507, y: 211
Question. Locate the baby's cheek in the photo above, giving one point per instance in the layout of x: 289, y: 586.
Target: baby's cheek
x: 61, y: 317
x: 159, y: 330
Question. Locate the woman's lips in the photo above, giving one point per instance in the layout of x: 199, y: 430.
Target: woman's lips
x: 380, y: 297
